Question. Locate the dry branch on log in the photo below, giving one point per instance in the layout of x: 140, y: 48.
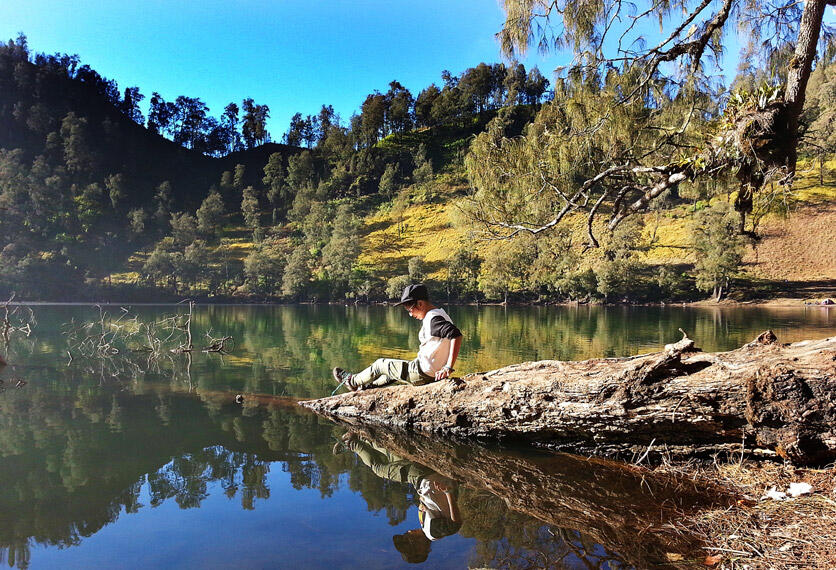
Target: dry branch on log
x: 781, y: 398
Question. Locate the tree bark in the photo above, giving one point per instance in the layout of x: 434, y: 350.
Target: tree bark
x: 778, y: 398
x: 801, y: 66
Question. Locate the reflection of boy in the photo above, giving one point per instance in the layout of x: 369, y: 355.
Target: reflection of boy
x: 438, y: 511
x: 440, y: 342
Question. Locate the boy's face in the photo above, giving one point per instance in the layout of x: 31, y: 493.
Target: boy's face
x: 416, y: 310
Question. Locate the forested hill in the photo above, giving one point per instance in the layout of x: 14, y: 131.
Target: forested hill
x: 100, y: 201
x: 79, y: 124
x: 88, y: 182
x: 84, y: 180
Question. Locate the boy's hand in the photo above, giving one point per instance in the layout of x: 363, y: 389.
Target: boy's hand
x: 443, y: 373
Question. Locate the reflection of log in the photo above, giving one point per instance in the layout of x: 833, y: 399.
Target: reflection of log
x: 764, y: 394
x: 619, y: 506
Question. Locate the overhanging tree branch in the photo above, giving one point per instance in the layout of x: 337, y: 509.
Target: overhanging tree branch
x: 572, y: 147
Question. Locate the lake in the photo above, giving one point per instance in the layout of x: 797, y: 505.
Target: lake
x: 147, y: 460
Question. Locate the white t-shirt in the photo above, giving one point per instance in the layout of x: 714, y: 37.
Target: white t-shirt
x: 437, y: 521
x: 434, y: 351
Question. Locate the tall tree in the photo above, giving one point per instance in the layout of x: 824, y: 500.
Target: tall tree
x: 295, y: 132
x: 373, y: 118
x: 719, y: 248
x: 130, y: 105
x: 515, y: 77
x: 424, y: 105
x: 340, y: 254
x: 254, y: 128
x: 229, y: 123
x: 160, y: 114
x: 188, y: 122
x: 399, y: 102
x: 755, y: 141
x: 250, y: 209
x: 476, y: 85
x: 535, y: 86
x: 210, y: 214
x: 297, y: 273
x: 278, y: 192
x: 327, y: 120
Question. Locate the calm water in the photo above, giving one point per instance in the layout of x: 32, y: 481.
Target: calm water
x: 136, y: 461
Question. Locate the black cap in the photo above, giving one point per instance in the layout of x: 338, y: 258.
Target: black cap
x: 413, y: 293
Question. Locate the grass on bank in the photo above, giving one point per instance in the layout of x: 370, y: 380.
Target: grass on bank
x: 757, y: 533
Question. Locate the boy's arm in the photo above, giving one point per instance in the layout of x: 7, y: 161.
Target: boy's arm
x: 455, y: 345
x: 442, y: 328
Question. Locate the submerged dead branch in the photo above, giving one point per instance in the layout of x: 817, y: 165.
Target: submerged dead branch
x: 124, y: 345
x: 16, y: 320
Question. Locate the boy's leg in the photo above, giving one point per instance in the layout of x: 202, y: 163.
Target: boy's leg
x: 382, y: 371
x: 416, y: 376
x: 382, y: 464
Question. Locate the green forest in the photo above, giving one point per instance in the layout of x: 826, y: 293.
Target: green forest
x: 109, y: 194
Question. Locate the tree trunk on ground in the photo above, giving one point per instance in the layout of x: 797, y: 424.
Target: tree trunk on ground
x: 604, y: 500
x: 778, y: 398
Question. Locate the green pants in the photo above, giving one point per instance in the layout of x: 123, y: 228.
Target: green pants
x: 387, y: 465
x: 387, y: 370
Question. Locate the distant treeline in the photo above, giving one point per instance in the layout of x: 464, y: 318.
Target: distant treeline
x: 90, y: 187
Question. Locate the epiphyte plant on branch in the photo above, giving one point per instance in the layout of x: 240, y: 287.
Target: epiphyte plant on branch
x: 634, y: 119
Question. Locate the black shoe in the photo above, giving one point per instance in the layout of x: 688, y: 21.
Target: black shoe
x: 344, y: 377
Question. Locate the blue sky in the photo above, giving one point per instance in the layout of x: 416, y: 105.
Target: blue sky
x: 292, y: 55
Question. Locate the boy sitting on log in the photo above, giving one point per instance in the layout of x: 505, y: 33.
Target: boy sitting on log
x: 440, y: 342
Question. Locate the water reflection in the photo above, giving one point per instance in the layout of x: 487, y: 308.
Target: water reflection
x: 90, y: 447
x: 438, y: 510
x: 555, y: 509
x: 77, y: 458
x: 289, y: 350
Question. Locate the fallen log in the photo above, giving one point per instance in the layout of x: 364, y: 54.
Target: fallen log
x: 780, y: 399
x: 612, y: 503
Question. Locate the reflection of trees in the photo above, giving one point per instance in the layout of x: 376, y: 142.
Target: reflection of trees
x: 539, y: 510
x: 507, y: 539
x: 74, y: 454
x: 77, y: 446
x: 56, y: 488
x: 289, y: 350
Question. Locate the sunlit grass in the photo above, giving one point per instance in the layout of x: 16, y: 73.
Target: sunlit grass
x: 665, y: 238
x: 808, y: 186
x: 125, y: 277
x: 431, y: 230
x: 424, y: 230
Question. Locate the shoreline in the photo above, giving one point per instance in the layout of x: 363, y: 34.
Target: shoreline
x: 730, y: 303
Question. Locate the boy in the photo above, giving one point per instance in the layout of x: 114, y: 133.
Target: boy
x: 440, y: 342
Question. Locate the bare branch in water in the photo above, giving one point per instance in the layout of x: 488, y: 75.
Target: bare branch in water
x: 111, y: 344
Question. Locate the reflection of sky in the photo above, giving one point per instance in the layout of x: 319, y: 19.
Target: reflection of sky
x: 291, y: 529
